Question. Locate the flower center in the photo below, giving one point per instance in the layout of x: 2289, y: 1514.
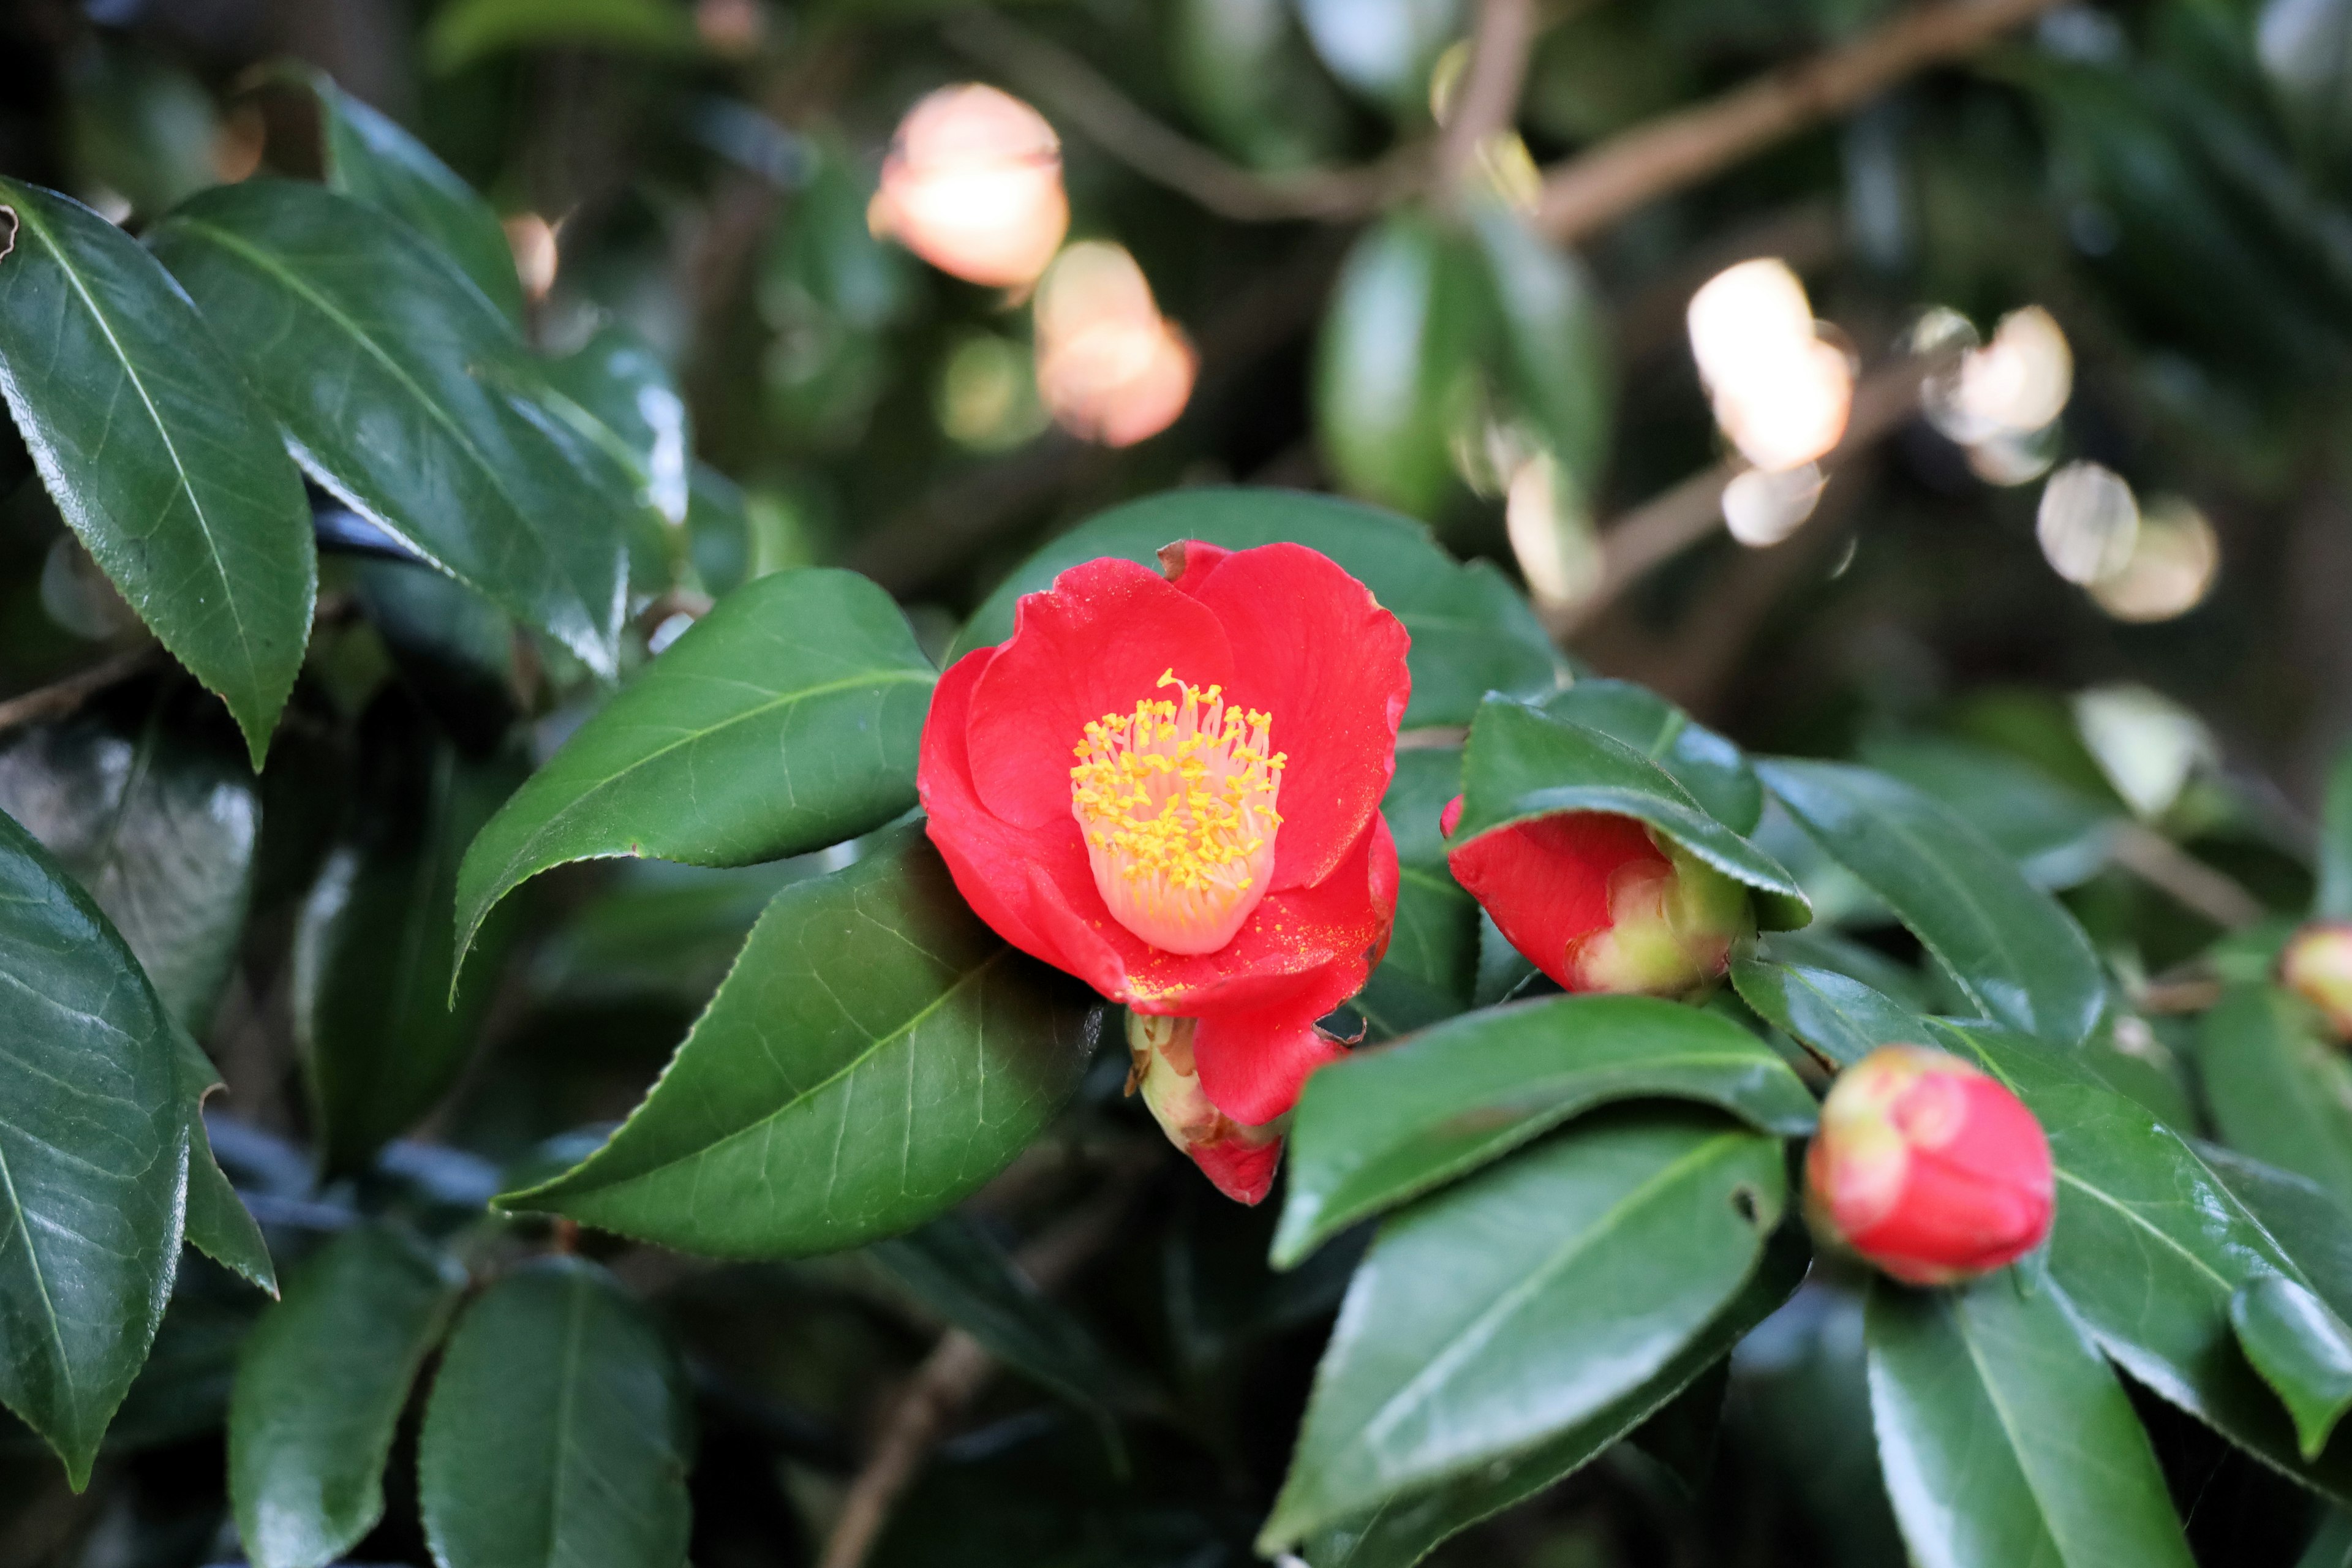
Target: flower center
x: 1176, y: 802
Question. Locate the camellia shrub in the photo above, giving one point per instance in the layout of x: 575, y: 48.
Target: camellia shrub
x: 1364, y: 1077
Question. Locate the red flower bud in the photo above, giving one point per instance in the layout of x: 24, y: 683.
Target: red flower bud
x: 1928, y: 1168
x: 2317, y: 967
x: 1599, y: 903
x: 1240, y: 1160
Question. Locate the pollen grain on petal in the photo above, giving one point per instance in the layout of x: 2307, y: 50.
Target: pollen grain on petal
x: 1176, y: 802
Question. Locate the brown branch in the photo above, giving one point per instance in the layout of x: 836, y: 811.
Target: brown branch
x: 1486, y: 100
x: 62, y: 697
x: 949, y: 1378
x: 1677, y: 150
x: 2189, y: 881
x: 1086, y: 99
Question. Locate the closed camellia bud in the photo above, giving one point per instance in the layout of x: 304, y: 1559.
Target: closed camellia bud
x: 1599, y: 902
x: 1240, y: 1160
x: 1928, y: 1168
x: 2317, y: 967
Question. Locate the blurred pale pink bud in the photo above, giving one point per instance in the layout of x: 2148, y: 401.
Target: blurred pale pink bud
x: 1110, y: 368
x: 973, y: 186
x: 2317, y: 967
x: 1781, y: 393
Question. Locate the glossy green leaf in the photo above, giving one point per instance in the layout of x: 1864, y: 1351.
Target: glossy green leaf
x: 2303, y: 1349
x: 876, y: 1056
x: 2332, y: 899
x: 959, y: 1271
x: 159, y: 459
x: 159, y: 823
x: 93, y: 1156
x: 1389, y: 1123
x: 1713, y: 770
x: 2015, y: 953
x: 1432, y: 959
x: 1525, y: 1302
x: 1555, y: 356
x: 218, y: 1223
x: 465, y: 31
x: 371, y: 157
x: 616, y: 382
x: 2004, y: 1436
x: 2278, y: 1091
x: 1521, y: 764
x: 1472, y: 633
x: 1408, y: 1526
x: 2309, y: 1226
x: 2150, y: 1245
x: 2059, y: 836
x: 1841, y: 1018
x: 375, y: 959
x: 559, y: 1430
x: 320, y: 1389
x: 1397, y: 338
x: 786, y: 720
x: 397, y: 383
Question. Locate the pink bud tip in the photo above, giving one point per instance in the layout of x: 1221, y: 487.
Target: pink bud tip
x: 2317, y: 967
x: 1928, y: 1168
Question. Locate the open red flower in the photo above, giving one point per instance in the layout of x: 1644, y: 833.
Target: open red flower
x: 1169, y: 786
x: 1599, y: 902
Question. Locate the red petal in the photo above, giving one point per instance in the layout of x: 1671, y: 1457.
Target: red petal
x: 1242, y: 1172
x: 1093, y: 644
x: 1312, y: 647
x: 1252, y: 1064
x: 1546, y: 882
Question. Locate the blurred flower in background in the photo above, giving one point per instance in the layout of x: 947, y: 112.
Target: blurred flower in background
x: 1110, y: 368
x: 973, y: 186
x: 1781, y: 392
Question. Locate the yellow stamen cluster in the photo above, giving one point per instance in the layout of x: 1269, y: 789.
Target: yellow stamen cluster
x: 1176, y: 800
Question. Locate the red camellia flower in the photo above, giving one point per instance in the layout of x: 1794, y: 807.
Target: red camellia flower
x: 1599, y: 902
x: 1928, y: 1168
x: 2317, y: 967
x: 1168, y: 785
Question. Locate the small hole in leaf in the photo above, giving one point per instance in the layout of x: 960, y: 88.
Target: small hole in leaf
x: 1749, y: 1202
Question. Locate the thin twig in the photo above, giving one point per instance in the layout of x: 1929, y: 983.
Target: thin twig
x: 1084, y: 98
x: 62, y: 697
x: 949, y: 1378
x: 2189, y: 881
x: 1674, y: 150
x: 1488, y: 98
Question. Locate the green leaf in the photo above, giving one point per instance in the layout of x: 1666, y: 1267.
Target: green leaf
x: 1472, y: 633
x: 1713, y: 770
x: 218, y: 1223
x: 320, y: 1389
x: 1521, y: 764
x: 1841, y: 1018
x: 1398, y: 339
x: 2312, y: 1227
x: 620, y: 386
x: 2014, y: 951
x: 2059, y: 836
x: 2334, y: 897
x: 396, y: 380
x: 159, y: 823
x: 93, y: 1156
x: 2276, y: 1088
x: 1556, y: 355
x: 876, y: 1056
x: 451, y: 645
x: 959, y: 1271
x: 2004, y: 1436
x: 1432, y: 959
x: 158, y: 456
x: 2302, y: 1349
x: 559, y: 1430
x: 382, y: 1035
x: 371, y: 159
x: 465, y: 31
x: 785, y: 721
x: 2150, y: 1245
x: 1389, y: 1123
x: 1409, y: 1525
x: 1508, y: 1310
